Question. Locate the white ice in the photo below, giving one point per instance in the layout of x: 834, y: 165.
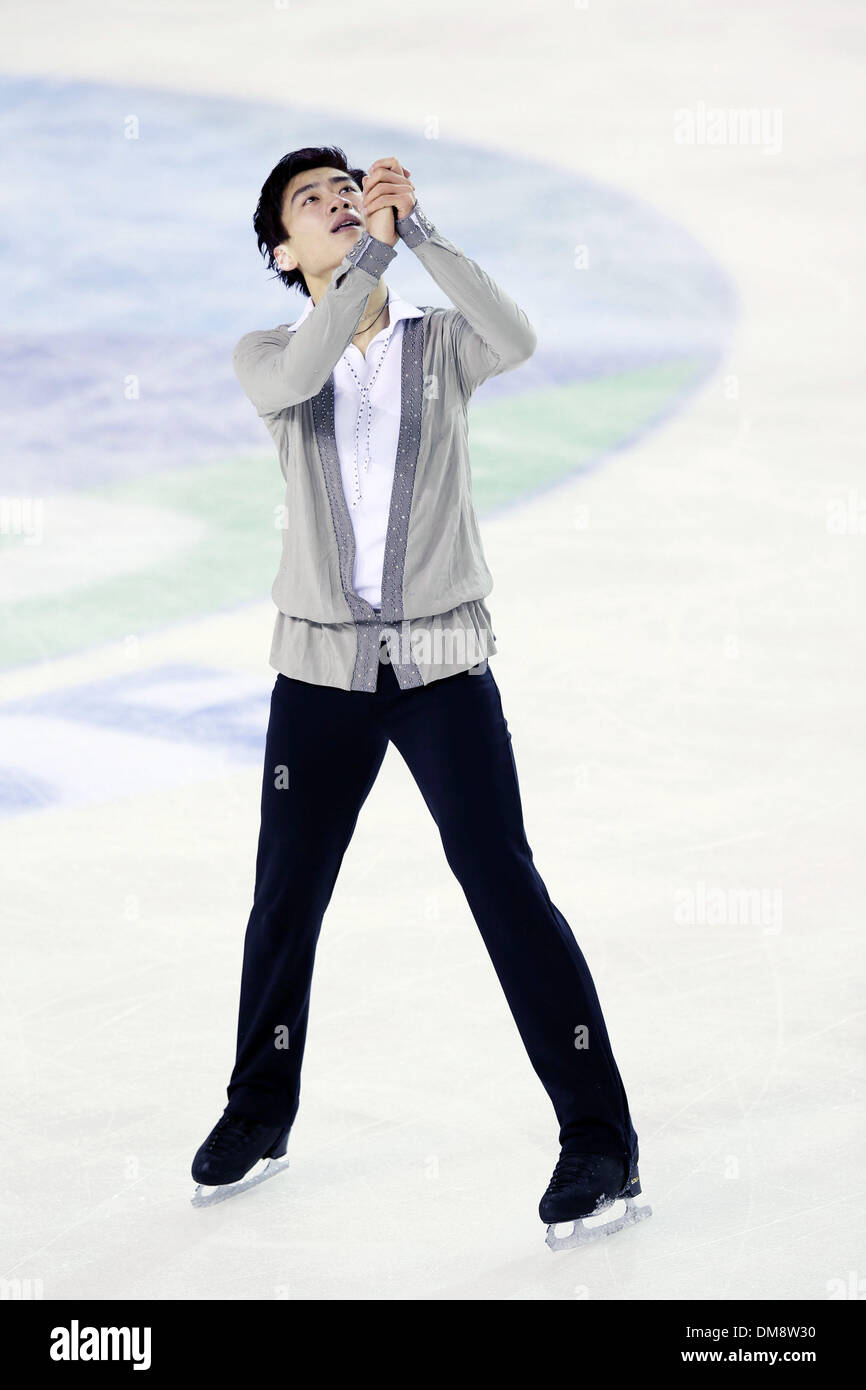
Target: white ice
x: 703, y: 731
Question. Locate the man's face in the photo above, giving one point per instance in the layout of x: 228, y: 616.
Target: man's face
x: 314, y: 203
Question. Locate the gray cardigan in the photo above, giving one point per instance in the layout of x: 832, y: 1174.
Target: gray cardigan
x: 435, y: 576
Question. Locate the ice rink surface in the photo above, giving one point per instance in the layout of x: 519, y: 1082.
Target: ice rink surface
x: 681, y: 661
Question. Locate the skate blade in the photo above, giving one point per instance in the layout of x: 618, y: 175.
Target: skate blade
x: 583, y: 1233
x: 207, y: 1196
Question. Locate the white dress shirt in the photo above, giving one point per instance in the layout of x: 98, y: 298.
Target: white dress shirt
x: 367, y: 399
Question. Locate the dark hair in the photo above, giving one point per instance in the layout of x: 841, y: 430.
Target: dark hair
x: 267, y: 219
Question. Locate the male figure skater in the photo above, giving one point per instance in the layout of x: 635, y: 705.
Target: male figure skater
x: 382, y: 636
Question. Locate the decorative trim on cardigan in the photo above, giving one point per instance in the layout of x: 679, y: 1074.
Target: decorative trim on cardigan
x: 365, y: 616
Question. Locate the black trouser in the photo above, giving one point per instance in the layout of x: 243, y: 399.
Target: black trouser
x: 328, y: 745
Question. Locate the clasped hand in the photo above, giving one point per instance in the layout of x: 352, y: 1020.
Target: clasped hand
x: 388, y: 195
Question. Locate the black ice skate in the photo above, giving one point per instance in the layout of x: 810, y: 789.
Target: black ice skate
x: 582, y: 1188
x: 233, y: 1147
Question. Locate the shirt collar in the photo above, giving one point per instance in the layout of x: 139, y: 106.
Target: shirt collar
x: 398, y: 308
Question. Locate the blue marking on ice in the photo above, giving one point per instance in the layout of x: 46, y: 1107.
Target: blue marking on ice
x: 154, y: 273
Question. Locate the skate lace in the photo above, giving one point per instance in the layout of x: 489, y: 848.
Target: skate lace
x: 570, y: 1168
x: 230, y: 1133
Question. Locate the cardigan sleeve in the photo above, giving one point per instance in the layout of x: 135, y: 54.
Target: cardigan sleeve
x: 278, y: 369
x: 489, y: 332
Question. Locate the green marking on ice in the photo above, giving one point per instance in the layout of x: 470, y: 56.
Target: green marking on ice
x: 526, y: 443
x: 517, y: 446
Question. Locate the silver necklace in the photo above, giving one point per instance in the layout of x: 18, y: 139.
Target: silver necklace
x: 373, y: 320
